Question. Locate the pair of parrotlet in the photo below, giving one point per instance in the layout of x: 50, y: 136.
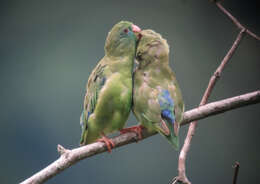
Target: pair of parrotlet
x: 113, y: 89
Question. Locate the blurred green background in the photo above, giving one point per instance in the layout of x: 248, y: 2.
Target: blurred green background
x: 47, y: 51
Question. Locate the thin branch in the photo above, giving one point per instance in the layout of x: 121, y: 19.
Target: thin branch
x: 232, y: 18
x: 70, y: 157
x: 219, y: 70
x: 236, y: 169
x: 191, y: 131
x: 220, y: 107
x: 236, y: 22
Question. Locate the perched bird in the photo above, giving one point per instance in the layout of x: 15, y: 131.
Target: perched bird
x: 108, y: 97
x: 157, y: 101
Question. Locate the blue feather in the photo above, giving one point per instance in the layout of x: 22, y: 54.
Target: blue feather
x: 103, y: 81
x: 167, y: 106
x: 167, y: 114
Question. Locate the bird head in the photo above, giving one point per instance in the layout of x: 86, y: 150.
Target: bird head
x: 122, y: 38
x: 151, y: 48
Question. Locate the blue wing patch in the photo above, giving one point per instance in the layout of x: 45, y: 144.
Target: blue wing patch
x: 103, y: 81
x: 167, y: 106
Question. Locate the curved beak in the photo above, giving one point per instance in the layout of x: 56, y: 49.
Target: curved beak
x: 136, y: 29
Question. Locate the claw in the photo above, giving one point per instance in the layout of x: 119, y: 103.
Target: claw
x: 109, y: 143
x: 137, y: 129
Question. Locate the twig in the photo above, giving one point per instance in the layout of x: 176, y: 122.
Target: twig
x: 191, y: 131
x: 70, y: 157
x: 236, y: 169
x: 236, y: 22
x: 219, y: 70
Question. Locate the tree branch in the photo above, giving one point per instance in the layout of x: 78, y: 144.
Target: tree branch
x: 236, y: 22
x: 236, y: 169
x: 191, y: 131
x: 70, y: 157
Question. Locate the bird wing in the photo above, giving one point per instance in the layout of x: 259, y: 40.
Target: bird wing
x: 167, y: 107
x: 95, y: 83
x: 160, y: 111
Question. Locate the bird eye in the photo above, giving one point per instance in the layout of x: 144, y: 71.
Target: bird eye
x: 126, y: 30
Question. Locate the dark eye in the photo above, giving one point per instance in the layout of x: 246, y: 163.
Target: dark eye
x: 126, y: 30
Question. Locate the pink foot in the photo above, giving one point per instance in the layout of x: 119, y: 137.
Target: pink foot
x: 109, y: 143
x: 137, y: 129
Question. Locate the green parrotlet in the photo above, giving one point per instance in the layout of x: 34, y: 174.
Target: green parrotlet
x: 157, y: 101
x: 108, y: 97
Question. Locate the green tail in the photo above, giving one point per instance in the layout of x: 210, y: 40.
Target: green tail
x: 174, y: 141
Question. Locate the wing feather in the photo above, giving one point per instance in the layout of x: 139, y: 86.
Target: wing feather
x: 95, y: 83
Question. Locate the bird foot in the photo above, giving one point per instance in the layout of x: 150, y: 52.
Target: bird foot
x: 137, y: 129
x: 109, y: 143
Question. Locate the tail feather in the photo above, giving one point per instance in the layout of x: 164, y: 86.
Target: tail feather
x: 174, y: 141
x: 173, y: 138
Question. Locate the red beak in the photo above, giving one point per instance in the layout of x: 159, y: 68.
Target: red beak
x: 136, y: 29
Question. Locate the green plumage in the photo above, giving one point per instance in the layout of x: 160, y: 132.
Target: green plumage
x: 157, y: 102
x: 108, y: 96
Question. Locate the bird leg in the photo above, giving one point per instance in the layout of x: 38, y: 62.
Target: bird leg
x: 109, y: 143
x: 137, y: 129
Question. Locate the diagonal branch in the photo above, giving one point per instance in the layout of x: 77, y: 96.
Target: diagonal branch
x: 70, y: 157
x: 219, y: 70
x: 191, y: 131
x: 236, y: 22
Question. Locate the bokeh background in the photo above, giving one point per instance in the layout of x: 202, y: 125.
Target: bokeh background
x: 47, y: 51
